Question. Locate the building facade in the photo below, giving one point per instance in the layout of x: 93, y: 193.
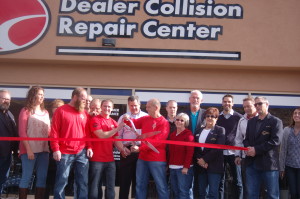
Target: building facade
x: 153, y: 46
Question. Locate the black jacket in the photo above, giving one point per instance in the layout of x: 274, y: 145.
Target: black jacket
x: 266, y: 142
x: 6, y: 147
x: 214, y: 157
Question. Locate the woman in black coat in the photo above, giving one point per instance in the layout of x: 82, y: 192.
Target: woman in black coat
x: 209, y: 161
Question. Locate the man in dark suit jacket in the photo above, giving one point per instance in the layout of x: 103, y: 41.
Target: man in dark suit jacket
x: 263, y: 137
x: 7, y: 129
x: 196, y: 115
x: 195, y: 112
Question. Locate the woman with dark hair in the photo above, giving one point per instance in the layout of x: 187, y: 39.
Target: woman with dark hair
x: 209, y: 161
x: 34, y: 122
x: 290, y: 154
x: 181, y: 158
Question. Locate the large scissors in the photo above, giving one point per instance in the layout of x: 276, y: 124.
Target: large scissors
x: 143, y: 136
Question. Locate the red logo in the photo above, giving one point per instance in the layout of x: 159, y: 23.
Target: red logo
x: 22, y: 24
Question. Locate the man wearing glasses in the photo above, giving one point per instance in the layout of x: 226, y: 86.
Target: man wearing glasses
x: 195, y: 113
x: 7, y: 129
x: 263, y: 137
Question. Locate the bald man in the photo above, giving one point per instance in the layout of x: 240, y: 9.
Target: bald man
x: 151, y: 162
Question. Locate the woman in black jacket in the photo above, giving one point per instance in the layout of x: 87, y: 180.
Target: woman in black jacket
x: 209, y: 161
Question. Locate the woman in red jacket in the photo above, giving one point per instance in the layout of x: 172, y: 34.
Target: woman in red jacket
x: 180, y: 158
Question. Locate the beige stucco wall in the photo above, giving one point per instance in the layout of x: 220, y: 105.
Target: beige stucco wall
x: 273, y: 81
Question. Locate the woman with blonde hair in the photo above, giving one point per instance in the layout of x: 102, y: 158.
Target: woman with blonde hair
x: 181, y: 159
x: 55, y: 104
x: 34, y: 122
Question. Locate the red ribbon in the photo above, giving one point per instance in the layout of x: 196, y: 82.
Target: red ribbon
x: 194, y: 144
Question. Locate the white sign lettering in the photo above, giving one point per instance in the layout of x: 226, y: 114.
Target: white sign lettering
x: 150, y: 28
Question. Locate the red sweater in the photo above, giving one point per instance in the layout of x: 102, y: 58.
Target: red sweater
x: 149, y: 124
x: 67, y: 122
x: 181, y: 155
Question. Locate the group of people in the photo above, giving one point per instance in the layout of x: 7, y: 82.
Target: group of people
x: 184, y: 170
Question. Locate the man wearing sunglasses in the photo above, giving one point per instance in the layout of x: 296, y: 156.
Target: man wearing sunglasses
x: 263, y: 137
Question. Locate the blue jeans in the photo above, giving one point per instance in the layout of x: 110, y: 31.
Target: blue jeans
x: 181, y: 183
x: 4, y: 170
x: 40, y: 164
x: 81, y: 169
x: 236, y: 173
x: 254, y: 179
x: 96, y: 172
x: 158, y: 172
x: 293, y: 177
x: 209, y: 185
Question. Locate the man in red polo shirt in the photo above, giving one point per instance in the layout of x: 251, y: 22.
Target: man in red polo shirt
x: 102, y: 162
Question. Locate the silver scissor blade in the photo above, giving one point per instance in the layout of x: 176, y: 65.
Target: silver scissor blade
x: 146, y: 142
x: 151, y: 146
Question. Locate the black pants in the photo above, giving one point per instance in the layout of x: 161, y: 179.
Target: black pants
x: 127, y: 175
x: 234, y: 189
x: 293, y: 177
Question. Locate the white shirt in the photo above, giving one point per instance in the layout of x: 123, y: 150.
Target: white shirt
x: 126, y: 133
x: 241, y: 134
x: 228, y: 114
x: 203, y: 136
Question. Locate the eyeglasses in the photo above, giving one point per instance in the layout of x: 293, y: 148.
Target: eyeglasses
x: 179, y: 120
x: 5, y: 99
x: 210, y: 116
x: 259, y: 104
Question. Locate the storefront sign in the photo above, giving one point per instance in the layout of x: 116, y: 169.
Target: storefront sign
x: 150, y: 28
x: 24, y: 23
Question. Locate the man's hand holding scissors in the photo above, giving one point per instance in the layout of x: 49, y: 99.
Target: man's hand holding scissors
x: 134, y: 148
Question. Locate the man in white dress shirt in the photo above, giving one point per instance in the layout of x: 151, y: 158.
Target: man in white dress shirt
x: 128, y: 159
